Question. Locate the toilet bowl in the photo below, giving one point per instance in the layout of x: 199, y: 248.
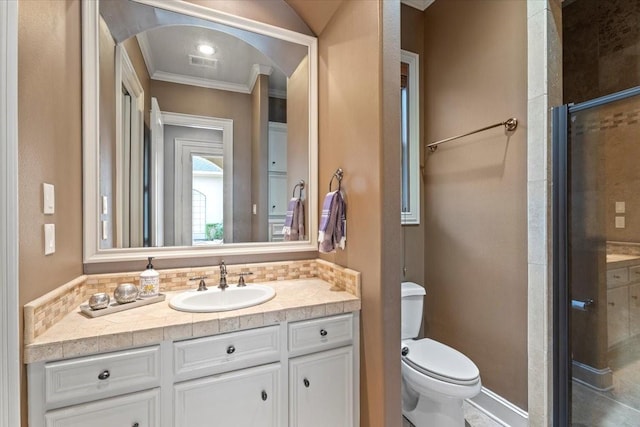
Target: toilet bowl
x: 435, y: 377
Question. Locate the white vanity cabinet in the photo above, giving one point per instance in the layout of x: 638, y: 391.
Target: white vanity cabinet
x: 132, y: 410
x: 623, y: 304
x: 248, y: 397
x: 321, y: 378
x: 321, y: 389
x: 60, y: 392
x: 297, y: 374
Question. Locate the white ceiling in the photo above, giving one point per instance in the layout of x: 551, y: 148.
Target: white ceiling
x: 236, y: 63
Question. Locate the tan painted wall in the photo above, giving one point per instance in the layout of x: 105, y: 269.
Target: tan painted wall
x: 475, y: 193
x: 412, y: 40
x: 359, y: 131
x: 50, y: 139
x: 298, y: 128
x: 259, y: 158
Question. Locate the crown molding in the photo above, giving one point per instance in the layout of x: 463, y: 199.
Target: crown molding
x: 418, y: 4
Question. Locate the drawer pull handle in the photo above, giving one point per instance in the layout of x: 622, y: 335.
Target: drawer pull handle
x: 264, y: 396
x: 104, y: 375
x: 612, y: 303
x: 306, y: 383
x: 323, y: 332
x: 616, y: 277
x: 231, y: 349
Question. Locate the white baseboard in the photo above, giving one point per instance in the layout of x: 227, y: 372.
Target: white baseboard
x: 499, y: 409
x: 597, y: 379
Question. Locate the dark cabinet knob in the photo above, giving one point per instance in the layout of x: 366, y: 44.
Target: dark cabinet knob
x: 264, y: 395
x: 135, y: 425
x: 405, y: 351
x: 323, y: 332
x: 231, y: 349
x: 306, y: 383
x: 104, y: 375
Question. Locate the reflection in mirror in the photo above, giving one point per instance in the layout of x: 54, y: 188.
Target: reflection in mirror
x: 204, y: 129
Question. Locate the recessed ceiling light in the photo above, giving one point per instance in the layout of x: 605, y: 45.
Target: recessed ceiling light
x: 206, y: 49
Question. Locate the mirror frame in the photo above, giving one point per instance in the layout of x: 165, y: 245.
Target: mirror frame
x: 90, y: 134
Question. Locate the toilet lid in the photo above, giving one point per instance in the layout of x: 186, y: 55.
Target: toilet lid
x: 441, y: 362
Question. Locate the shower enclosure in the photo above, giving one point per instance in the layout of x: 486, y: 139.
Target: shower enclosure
x: 596, y: 202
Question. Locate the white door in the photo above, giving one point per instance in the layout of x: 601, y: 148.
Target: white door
x: 157, y: 175
x: 249, y: 397
x: 277, y: 147
x: 135, y: 410
x: 321, y: 389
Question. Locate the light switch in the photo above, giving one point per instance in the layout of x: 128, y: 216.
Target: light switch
x: 620, y: 222
x: 105, y: 230
x: 105, y: 206
x: 49, y: 204
x: 255, y: 209
x: 620, y: 207
x: 49, y: 239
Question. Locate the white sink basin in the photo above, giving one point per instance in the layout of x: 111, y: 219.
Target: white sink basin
x: 215, y: 299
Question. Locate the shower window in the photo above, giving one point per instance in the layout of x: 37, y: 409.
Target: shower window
x: 410, y: 138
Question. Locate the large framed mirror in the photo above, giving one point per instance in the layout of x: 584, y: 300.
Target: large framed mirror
x: 199, y: 127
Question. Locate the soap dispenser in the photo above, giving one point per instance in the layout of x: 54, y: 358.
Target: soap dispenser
x: 149, y: 282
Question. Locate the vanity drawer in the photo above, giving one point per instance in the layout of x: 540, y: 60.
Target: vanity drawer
x: 226, y: 352
x: 136, y: 409
x: 634, y: 273
x: 93, y: 377
x: 617, y: 277
x: 320, y: 334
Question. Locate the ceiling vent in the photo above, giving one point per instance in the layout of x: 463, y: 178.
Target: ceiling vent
x: 200, y: 61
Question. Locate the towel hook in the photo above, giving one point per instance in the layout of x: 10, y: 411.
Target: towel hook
x: 301, y: 185
x: 337, y: 175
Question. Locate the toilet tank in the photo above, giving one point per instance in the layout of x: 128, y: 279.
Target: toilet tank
x: 411, y: 309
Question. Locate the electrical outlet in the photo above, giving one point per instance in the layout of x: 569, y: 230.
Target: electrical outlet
x: 49, y: 202
x: 49, y: 239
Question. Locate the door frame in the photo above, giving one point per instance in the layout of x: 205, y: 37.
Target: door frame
x: 214, y: 123
x: 10, y: 367
x: 561, y: 296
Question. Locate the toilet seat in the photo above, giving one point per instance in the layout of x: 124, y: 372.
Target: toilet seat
x: 441, y: 362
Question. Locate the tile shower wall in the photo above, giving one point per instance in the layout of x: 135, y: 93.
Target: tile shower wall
x: 600, y: 38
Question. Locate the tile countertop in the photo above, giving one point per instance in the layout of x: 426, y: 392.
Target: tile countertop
x: 78, y: 335
x: 621, y: 260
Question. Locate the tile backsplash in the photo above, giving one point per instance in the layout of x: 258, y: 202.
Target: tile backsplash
x: 45, y: 311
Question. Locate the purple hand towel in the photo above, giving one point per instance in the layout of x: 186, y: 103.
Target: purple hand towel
x: 332, y: 233
x: 294, y: 221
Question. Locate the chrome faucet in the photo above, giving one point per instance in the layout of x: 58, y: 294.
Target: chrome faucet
x: 223, y: 276
x: 202, y: 285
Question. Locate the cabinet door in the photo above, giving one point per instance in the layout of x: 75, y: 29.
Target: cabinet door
x: 277, y: 147
x: 278, y: 194
x: 249, y: 397
x: 135, y: 410
x: 321, y: 389
x: 634, y: 309
x: 618, y: 314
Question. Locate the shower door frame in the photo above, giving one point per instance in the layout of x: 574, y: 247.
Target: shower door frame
x: 560, y: 246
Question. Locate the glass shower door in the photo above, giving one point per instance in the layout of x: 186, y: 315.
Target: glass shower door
x: 597, y: 225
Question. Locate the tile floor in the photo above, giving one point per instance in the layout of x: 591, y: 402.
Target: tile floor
x: 473, y: 416
x: 619, y: 407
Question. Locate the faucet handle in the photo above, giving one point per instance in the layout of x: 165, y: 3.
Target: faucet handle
x: 202, y: 286
x: 241, y: 282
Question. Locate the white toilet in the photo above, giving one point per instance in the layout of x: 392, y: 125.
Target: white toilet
x: 435, y: 378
